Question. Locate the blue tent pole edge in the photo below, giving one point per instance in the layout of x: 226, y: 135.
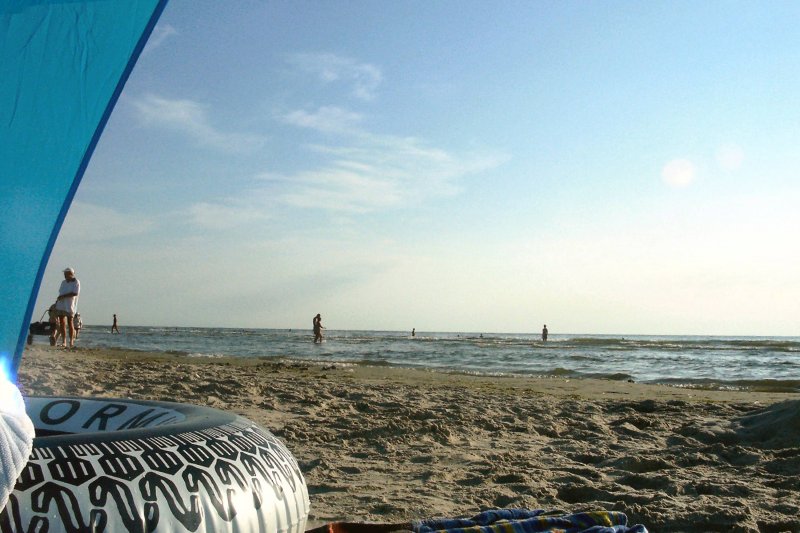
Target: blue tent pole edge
x: 151, y: 24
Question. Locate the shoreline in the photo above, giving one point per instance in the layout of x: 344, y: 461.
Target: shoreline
x: 391, y: 444
x: 771, y: 385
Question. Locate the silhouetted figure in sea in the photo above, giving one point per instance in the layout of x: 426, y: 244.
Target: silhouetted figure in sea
x: 317, y: 323
x: 544, y: 333
x: 114, y: 328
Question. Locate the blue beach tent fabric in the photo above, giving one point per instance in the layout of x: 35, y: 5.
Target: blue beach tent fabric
x: 63, y: 64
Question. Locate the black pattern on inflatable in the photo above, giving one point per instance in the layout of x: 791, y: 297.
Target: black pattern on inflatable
x: 138, y: 466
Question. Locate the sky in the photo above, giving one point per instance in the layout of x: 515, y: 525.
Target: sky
x: 602, y: 167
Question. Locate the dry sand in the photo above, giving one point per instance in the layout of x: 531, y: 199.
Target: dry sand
x: 390, y: 445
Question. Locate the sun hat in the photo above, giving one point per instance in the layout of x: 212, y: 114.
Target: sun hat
x: 70, y: 270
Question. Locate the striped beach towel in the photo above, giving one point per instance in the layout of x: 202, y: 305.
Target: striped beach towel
x: 531, y: 521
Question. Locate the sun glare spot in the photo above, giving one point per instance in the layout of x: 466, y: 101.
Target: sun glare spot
x: 678, y: 173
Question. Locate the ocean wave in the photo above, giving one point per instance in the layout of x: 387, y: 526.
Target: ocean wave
x: 684, y: 344
x: 372, y: 362
x: 560, y: 372
x: 753, y: 385
x: 616, y: 376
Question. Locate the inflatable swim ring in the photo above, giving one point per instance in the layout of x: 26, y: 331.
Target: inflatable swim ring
x: 139, y: 466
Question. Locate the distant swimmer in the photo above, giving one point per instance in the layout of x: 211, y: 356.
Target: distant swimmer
x: 544, y: 333
x: 413, y: 332
x: 114, y: 328
x: 317, y: 322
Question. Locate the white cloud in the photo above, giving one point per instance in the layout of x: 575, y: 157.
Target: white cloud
x: 191, y: 118
x: 378, y: 172
x: 362, y: 78
x: 339, y: 189
x: 230, y: 214
x: 327, y: 119
x: 679, y: 173
x: 372, y: 173
x: 730, y: 157
x: 161, y: 33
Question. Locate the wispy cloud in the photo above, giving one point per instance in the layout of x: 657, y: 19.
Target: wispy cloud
x: 679, y: 173
x: 326, y: 119
x: 337, y: 188
x: 160, y: 34
x: 371, y: 174
x: 226, y: 215
x: 363, y: 79
x: 377, y: 172
x: 191, y: 119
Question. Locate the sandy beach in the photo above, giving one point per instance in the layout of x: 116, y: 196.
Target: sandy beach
x: 388, y: 444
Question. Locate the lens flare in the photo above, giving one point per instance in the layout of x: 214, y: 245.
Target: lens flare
x: 5, y: 364
x: 9, y: 396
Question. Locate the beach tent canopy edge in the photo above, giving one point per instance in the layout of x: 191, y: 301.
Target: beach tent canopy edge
x: 63, y: 64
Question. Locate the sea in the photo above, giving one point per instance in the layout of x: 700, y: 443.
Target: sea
x: 708, y: 362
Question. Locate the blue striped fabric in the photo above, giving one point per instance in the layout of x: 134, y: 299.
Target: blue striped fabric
x: 531, y: 521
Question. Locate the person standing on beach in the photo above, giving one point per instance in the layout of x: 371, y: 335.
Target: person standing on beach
x: 317, y: 328
x: 544, y: 333
x: 67, y: 306
x: 114, y: 325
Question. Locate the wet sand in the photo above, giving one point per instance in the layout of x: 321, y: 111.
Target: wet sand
x: 391, y: 445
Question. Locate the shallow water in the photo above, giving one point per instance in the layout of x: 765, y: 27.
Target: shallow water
x: 754, y: 363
